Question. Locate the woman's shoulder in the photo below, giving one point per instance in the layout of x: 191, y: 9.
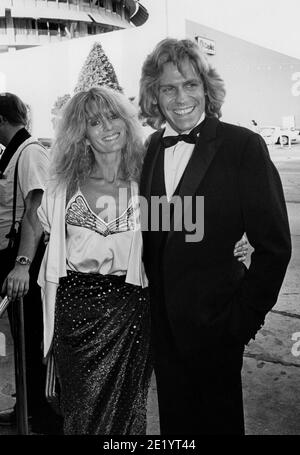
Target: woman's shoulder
x: 53, y: 190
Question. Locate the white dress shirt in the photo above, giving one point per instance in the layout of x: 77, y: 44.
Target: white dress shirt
x: 176, y: 159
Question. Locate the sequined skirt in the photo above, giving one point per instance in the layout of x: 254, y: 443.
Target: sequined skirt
x: 102, y: 354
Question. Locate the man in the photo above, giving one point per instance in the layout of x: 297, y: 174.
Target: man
x: 19, y: 275
x: 205, y: 305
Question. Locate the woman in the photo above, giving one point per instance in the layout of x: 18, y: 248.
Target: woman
x: 92, y: 275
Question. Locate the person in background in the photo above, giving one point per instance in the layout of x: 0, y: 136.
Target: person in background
x: 206, y: 306
x: 18, y: 276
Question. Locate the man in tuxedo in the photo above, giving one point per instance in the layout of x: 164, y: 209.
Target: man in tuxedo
x: 205, y: 305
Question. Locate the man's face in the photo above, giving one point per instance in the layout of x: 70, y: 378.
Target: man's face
x: 181, y: 96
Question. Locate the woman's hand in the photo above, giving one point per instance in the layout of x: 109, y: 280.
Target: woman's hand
x: 241, y: 249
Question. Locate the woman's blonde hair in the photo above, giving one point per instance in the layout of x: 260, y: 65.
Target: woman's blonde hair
x: 176, y: 52
x: 72, y: 159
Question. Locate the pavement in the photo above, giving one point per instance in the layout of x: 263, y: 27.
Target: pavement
x: 271, y: 369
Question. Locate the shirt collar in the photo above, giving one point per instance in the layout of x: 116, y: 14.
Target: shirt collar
x: 169, y: 131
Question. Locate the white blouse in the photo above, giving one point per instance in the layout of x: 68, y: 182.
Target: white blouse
x: 52, y: 213
x: 94, y: 246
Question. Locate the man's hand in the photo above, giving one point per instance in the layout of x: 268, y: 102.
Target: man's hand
x: 16, y: 284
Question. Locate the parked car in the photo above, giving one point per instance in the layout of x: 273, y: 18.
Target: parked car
x: 276, y: 135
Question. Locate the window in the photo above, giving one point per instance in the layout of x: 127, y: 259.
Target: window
x: 91, y: 29
x: 20, y: 26
x: 2, y: 26
x: 53, y: 28
x: 63, y: 29
x: 42, y: 28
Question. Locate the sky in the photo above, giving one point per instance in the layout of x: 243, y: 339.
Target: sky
x: 274, y: 24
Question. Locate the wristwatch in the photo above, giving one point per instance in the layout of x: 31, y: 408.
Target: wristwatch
x: 23, y: 260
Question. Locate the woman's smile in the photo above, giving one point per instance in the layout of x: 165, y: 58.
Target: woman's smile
x: 111, y: 137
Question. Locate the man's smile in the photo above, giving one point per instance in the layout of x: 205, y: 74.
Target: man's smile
x: 184, y: 111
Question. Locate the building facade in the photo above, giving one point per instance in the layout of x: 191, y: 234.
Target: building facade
x: 261, y: 84
x: 28, y: 23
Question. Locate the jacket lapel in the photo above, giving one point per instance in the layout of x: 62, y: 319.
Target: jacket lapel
x: 198, y: 165
x: 154, y: 149
x: 203, y: 154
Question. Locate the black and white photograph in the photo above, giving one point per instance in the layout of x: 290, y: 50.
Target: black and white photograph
x: 149, y: 220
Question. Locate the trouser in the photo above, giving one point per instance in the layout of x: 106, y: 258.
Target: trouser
x: 199, y: 392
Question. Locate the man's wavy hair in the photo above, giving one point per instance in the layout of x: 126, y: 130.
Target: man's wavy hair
x: 72, y: 159
x: 177, y: 51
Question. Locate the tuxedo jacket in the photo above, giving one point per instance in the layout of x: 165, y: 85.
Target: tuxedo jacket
x: 208, y: 295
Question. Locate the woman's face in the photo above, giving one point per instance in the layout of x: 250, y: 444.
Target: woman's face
x: 106, y: 134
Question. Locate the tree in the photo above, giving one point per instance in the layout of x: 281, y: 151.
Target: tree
x: 60, y: 102
x: 57, y: 107
x: 97, y: 70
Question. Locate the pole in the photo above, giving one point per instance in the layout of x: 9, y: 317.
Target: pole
x: 20, y: 366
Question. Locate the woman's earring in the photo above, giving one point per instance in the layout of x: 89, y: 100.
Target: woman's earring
x: 87, y: 149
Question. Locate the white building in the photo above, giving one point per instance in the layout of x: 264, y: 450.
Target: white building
x: 262, y: 85
x: 29, y: 23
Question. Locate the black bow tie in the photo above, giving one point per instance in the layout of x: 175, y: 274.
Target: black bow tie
x: 191, y: 138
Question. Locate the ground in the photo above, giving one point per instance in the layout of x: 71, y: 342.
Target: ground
x: 271, y: 369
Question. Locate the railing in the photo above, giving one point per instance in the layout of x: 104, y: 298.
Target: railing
x: 79, y: 5
x: 47, y: 7
x: 30, y: 36
x: 34, y: 38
